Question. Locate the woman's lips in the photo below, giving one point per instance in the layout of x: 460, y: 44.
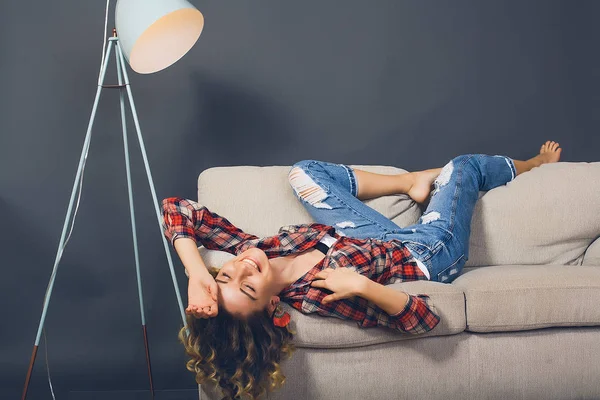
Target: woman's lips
x: 253, y: 261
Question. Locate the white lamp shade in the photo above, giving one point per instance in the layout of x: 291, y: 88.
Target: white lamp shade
x: 156, y: 33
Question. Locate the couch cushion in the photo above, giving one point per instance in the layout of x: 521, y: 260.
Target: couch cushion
x: 259, y: 200
x: 523, y: 297
x: 315, y: 331
x: 548, y: 215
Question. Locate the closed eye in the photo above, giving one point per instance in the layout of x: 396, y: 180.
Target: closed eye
x: 217, y: 279
x: 249, y: 287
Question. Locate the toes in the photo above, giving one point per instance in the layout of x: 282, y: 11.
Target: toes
x: 550, y: 145
x: 545, y: 146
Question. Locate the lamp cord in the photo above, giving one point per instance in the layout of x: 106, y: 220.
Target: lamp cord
x: 79, y: 187
x: 47, y: 367
x: 61, y: 250
x: 60, y: 254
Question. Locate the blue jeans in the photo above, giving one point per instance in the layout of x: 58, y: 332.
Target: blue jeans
x: 439, y: 239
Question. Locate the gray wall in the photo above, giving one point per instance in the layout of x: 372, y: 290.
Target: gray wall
x: 404, y: 83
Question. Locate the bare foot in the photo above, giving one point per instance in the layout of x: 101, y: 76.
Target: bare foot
x: 549, y: 153
x: 421, y: 187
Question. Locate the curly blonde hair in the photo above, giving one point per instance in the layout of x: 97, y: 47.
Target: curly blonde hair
x: 241, y: 357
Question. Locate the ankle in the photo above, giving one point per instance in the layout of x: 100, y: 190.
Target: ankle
x: 534, y: 162
x: 405, y: 182
x: 412, y: 178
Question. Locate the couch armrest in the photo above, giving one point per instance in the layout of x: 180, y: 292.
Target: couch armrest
x: 592, y: 254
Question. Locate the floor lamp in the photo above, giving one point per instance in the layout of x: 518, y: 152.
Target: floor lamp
x: 153, y: 34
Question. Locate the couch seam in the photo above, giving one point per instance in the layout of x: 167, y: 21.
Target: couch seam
x: 530, y: 288
x: 536, y: 326
x: 365, y: 344
x: 465, y: 308
x: 469, y: 350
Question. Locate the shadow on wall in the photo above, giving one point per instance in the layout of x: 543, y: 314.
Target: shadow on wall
x: 236, y: 125
x: 29, y: 252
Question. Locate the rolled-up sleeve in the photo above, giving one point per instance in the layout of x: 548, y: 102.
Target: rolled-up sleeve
x: 183, y: 218
x: 418, y: 316
x: 179, y: 218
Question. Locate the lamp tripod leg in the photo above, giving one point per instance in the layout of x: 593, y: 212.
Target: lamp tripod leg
x: 151, y: 183
x: 82, y: 159
x: 133, y: 225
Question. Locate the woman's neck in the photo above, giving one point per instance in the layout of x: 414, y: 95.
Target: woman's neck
x: 294, y: 266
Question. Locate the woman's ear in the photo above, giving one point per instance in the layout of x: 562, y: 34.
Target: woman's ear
x: 273, y: 304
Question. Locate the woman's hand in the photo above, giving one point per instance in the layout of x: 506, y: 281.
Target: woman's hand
x: 344, y: 282
x: 202, y: 296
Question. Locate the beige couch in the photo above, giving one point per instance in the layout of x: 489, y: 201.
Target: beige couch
x: 522, y: 321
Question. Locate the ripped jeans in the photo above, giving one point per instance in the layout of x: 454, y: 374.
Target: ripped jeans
x: 439, y: 239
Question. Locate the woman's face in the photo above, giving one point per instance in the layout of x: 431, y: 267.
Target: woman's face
x: 246, y: 284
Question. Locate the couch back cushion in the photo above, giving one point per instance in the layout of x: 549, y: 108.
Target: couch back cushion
x: 549, y: 215
x: 546, y: 216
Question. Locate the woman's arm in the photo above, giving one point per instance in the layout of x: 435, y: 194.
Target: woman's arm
x: 408, y: 313
x: 389, y: 300
x: 383, y: 306
x: 347, y: 283
x: 189, y: 255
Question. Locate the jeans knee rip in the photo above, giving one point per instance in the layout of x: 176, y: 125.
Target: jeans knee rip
x: 443, y: 178
x: 306, y: 188
x: 430, y: 217
x: 346, y: 224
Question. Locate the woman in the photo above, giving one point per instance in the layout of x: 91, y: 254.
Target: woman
x: 338, y: 266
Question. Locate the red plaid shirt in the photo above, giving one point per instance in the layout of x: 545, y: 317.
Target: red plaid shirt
x: 382, y: 262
